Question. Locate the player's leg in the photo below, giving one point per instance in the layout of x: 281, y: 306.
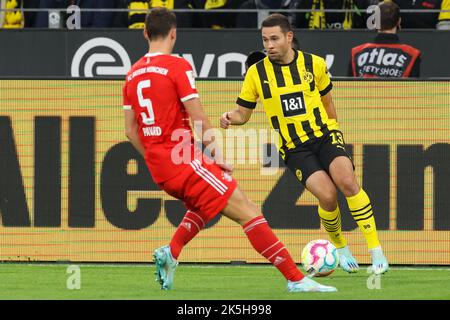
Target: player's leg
x: 322, y: 187
x: 210, y: 191
x: 341, y: 170
x: 166, y: 257
x: 188, y: 228
x: 243, y: 211
x: 305, y: 164
x: 204, y: 189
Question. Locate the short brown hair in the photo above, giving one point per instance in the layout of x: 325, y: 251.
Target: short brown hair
x: 277, y: 19
x: 159, y: 22
x: 390, y: 15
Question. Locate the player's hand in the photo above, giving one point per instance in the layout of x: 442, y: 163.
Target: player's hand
x: 220, y: 161
x: 228, y: 168
x: 225, y: 121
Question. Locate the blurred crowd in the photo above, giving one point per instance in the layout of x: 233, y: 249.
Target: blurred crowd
x: 427, y: 18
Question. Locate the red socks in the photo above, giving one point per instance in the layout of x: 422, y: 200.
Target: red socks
x: 258, y: 232
x: 267, y: 244
x: 191, y: 224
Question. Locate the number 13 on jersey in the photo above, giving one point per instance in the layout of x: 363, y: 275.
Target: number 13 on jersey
x: 337, y: 138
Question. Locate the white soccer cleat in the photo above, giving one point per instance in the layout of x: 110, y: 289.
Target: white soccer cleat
x: 347, y: 261
x: 379, y: 262
x: 308, y: 285
x: 165, y: 267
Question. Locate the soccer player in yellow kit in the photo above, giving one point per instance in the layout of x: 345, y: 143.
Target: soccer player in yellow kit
x: 294, y: 88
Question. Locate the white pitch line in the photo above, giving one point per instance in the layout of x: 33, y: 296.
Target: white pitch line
x: 196, y: 266
x: 420, y: 268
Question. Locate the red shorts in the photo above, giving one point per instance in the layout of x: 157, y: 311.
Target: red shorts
x: 204, y: 188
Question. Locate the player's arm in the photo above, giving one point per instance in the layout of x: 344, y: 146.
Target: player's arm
x: 238, y: 116
x: 131, y: 125
x: 131, y: 131
x: 199, y: 119
x: 185, y: 83
x: 328, y: 104
x: 246, y: 102
x: 204, y: 130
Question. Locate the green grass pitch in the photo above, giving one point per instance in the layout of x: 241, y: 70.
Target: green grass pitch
x: 212, y: 282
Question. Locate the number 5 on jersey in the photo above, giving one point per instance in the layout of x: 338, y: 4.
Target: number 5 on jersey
x: 145, y: 103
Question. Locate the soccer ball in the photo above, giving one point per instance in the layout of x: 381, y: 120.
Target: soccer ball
x: 320, y: 258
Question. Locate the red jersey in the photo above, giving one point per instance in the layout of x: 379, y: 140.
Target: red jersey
x: 156, y: 87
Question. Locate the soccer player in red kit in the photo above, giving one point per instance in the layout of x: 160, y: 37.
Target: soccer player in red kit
x: 159, y: 99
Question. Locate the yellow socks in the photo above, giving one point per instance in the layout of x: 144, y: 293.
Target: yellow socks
x: 361, y: 210
x: 332, y: 223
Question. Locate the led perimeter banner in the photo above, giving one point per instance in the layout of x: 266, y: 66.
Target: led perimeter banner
x: 72, y: 188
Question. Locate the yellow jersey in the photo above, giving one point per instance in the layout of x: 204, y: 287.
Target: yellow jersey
x: 291, y: 97
x: 445, y: 16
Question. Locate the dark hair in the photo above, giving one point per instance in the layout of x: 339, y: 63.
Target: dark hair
x: 253, y: 58
x: 277, y: 19
x: 159, y: 22
x: 390, y: 15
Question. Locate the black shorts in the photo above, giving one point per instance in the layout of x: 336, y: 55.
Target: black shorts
x: 315, y: 155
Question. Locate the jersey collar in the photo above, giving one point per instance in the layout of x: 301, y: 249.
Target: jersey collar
x: 153, y: 54
x: 287, y: 64
x: 387, y: 38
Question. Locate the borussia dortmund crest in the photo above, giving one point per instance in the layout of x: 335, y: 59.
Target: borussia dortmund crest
x: 308, y: 76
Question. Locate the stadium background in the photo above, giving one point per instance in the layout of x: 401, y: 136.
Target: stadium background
x: 387, y: 116
x: 213, y: 53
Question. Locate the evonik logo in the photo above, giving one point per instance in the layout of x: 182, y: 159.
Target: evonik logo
x: 103, y: 56
x: 91, y: 59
